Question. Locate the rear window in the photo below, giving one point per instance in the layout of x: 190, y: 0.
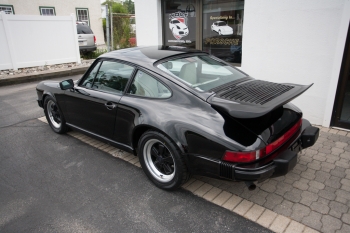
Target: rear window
x: 83, y: 29
x: 201, y: 72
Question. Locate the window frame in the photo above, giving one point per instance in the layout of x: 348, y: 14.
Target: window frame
x: 86, y: 75
x: 47, y: 7
x: 153, y: 76
x: 12, y: 8
x: 88, y: 14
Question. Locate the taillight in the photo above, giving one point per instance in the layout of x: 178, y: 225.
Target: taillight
x: 250, y: 156
x: 95, y: 39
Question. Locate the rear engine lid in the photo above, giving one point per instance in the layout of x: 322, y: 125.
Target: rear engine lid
x: 250, y: 98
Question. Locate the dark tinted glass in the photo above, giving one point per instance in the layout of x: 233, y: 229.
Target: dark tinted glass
x: 112, y: 77
x: 90, y: 78
x: 83, y: 29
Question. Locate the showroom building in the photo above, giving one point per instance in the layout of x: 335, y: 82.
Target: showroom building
x: 284, y: 41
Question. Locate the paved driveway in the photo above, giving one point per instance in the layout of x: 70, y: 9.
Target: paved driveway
x: 57, y: 183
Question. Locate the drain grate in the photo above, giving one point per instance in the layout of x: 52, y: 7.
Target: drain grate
x: 255, y: 92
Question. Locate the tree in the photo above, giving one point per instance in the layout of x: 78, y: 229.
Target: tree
x: 130, y: 6
x: 121, y: 24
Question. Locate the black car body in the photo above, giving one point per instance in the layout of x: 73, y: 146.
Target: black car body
x: 226, y: 125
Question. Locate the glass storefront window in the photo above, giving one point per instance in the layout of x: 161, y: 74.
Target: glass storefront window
x: 179, y: 21
x: 222, y: 29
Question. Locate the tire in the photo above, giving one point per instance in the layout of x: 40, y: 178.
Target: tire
x: 161, y: 160
x: 54, y: 116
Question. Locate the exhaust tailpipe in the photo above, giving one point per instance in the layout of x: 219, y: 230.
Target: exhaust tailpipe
x: 250, y: 185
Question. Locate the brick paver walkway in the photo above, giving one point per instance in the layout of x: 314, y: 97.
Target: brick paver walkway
x: 316, y: 192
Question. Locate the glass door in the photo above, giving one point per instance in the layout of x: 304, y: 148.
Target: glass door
x: 223, y: 29
x: 179, y: 22
x: 341, y: 111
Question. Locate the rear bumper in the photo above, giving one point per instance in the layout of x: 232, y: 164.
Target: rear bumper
x: 277, y: 164
x: 87, y: 48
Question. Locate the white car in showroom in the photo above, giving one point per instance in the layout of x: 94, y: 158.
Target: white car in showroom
x: 178, y: 28
x: 222, y: 28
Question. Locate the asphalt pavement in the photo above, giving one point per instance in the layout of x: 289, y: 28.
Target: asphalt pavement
x: 56, y: 183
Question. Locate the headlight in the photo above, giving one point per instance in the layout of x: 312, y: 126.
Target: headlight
x: 178, y: 27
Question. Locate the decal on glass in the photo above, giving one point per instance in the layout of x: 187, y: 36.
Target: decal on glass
x: 178, y: 24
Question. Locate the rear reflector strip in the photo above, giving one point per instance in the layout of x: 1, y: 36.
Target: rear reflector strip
x: 250, y: 156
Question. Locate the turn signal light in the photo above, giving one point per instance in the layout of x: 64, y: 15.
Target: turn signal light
x: 250, y: 156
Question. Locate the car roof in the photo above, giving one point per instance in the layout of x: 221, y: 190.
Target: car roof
x: 148, y: 55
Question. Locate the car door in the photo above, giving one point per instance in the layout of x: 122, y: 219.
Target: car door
x: 145, y: 95
x: 92, y: 105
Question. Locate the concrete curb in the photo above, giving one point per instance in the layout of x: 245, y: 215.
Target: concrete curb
x: 49, y: 74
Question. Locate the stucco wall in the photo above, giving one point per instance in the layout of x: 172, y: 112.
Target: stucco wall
x: 148, y: 22
x: 297, y: 42
x: 62, y: 8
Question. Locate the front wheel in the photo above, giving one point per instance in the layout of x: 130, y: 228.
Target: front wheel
x: 54, y: 115
x: 161, y: 160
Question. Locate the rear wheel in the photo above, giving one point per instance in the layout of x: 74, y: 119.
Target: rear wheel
x: 54, y: 116
x: 161, y: 161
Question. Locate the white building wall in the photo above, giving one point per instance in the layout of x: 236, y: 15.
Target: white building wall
x: 62, y: 8
x: 283, y: 41
x: 148, y: 22
x: 297, y: 42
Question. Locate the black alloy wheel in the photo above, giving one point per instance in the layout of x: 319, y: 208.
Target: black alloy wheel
x: 54, y: 116
x: 161, y: 160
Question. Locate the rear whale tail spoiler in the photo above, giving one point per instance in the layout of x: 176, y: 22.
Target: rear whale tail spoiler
x: 254, y: 98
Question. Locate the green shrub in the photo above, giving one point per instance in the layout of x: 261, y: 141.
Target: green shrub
x: 94, y: 54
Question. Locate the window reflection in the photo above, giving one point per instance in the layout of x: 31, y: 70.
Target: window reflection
x: 223, y: 29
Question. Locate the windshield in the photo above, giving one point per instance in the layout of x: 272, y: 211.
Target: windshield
x: 201, y: 72
x: 221, y: 24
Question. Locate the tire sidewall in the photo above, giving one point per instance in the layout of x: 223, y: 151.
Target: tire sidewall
x: 177, y: 179
x: 61, y: 128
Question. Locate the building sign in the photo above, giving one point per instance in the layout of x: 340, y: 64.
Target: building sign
x: 180, y: 23
x: 222, y: 29
x: 178, y: 26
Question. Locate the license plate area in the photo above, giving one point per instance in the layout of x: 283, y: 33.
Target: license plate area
x: 296, y: 146
x: 82, y: 43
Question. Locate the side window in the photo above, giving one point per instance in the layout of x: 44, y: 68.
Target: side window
x: 145, y: 85
x: 112, y: 77
x: 90, y: 78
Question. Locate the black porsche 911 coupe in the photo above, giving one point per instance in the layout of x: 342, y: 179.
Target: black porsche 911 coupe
x: 183, y: 112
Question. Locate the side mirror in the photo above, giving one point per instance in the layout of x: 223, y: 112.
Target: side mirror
x: 67, y: 84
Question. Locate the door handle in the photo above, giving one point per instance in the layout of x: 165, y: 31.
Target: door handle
x: 110, y: 105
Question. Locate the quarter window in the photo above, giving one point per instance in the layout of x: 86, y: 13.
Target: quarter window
x: 147, y: 86
x: 47, y: 11
x: 83, y: 15
x: 111, y: 77
x: 8, y: 9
